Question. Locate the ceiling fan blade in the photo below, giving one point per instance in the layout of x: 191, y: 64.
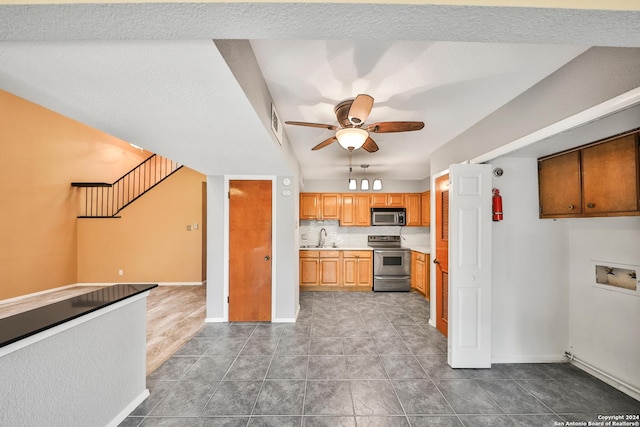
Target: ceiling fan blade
x: 314, y: 125
x: 383, y: 127
x: 370, y: 145
x: 360, y: 109
x: 325, y: 143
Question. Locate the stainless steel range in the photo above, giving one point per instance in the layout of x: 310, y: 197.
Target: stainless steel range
x: 391, y: 264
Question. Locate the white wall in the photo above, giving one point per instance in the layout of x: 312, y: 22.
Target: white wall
x: 530, y: 272
x: 215, y: 249
x: 604, y: 324
x: 388, y: 186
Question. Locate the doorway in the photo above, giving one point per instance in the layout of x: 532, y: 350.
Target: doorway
x: 442, y: 254
x: 250, y: 237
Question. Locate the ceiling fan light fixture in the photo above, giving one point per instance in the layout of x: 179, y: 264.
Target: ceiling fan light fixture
x: 377, y: 184
x: 353, y: 138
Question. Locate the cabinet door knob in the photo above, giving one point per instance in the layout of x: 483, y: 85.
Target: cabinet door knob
x: 591, y: 205
x: 267, y: 258
x: 570, y: 207
x: 436, y: 261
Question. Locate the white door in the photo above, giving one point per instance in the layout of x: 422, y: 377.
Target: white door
x: 470, y: 266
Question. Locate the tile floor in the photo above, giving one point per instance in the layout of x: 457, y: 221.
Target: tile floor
x: 358, y: 359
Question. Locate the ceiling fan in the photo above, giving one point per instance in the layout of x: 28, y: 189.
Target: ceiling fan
x: 352, y: 133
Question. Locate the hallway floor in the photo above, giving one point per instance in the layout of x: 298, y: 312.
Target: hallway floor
x: 358, y: 359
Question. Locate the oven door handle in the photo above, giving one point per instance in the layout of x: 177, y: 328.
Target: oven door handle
x: 391, y: 250
x: 391, y: 277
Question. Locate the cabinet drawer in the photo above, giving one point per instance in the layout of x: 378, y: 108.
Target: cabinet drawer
x: 329, y: 254
x: 309, y: 254
x: 356, y: 254
x: 420, y: 256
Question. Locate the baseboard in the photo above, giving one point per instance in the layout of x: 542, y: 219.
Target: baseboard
x: 129, y: 409
x: 549, y: 358
x: 97, y: 284
x: 284, y: 320
x: 46, y: 291
x: 214, y: 320
x: 627, y: 389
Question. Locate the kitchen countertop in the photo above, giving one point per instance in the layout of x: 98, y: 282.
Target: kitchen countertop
x: 339, y: 248
x: 422, y: 249
x: 28, y: 323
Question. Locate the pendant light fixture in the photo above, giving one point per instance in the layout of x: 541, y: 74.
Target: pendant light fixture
x: 377, y: 184
x: 353, y: 185
x: 364, y: 184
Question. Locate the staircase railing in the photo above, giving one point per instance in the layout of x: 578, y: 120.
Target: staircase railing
x: 105, y: 200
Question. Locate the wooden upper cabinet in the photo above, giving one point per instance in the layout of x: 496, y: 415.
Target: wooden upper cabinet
x: 425, y: 209
x: 348, y: 212
x: 396, y: 200
x: 413, y: 204
x: 599, y: 179
x: 387, y: 200
x: 560, y: 185
x: 330, y: 205
x: 320, y: 205
x: 610, y: 177
x: 363, y: 210
x: 355, y: 210
x: 378, y: 200
x: 309, y: 206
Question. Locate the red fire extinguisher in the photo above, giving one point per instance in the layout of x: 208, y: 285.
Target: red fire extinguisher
x: 497, y: 205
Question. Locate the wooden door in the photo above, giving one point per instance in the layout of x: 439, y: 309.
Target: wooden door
x: 249, y: 251
x: 560, y: 185
x: 470, y: 266
x: 442, y: 254
x: 609, y: 176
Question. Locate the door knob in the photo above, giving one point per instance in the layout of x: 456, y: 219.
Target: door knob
x: 267, y: 258
x: 436, y: 261
x: 591, y: 205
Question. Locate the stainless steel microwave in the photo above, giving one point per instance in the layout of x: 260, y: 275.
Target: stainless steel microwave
x: 388, y: 216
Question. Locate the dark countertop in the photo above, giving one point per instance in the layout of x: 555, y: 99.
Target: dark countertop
x: 22, y: 325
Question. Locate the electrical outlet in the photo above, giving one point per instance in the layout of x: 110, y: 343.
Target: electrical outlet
x: 120, y: 272
x: 189, y: 227
x: 195, y: 226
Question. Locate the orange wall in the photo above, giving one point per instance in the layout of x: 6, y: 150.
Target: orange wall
x: 150, y: 241
x: 42, y: 152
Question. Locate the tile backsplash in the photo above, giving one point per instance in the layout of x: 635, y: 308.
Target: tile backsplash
x: 356, y: 237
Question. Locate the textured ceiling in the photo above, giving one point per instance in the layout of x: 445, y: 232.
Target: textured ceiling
x: 149, y: 73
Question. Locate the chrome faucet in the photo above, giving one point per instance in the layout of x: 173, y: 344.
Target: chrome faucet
x: 321, y: 240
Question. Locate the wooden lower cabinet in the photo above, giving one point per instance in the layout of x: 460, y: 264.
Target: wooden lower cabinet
x: 420, y: 273
x: 330, y: 268
x: 309, y: 268
x: 335, y: 270
x: 357, y: 268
